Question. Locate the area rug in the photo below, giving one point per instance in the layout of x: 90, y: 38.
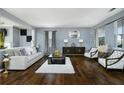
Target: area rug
x: 66, y: 68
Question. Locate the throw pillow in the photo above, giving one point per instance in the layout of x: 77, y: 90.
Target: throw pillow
x: 34, y: 50
x: 23, y: 52
x: 28, y: 50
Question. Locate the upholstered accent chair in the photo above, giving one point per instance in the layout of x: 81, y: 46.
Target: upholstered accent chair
x: 93, y: 53
x: 114, y: 61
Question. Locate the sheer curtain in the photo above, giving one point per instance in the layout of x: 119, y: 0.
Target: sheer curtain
x: 46, y: 43
x: 53, y: 41
x: 50, y: 42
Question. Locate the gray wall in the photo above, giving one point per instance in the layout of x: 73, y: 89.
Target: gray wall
x: 87, y: 34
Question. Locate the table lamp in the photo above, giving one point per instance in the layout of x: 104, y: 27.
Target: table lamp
x: 81, y: 42
x: 65, y: 42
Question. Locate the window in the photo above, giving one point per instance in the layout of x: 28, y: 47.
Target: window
x: 119, y: 40
x: 101, y: 36
x: 119, y: 34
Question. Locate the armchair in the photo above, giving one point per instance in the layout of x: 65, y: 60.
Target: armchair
x: 114, y: 61
x: 93, y: 53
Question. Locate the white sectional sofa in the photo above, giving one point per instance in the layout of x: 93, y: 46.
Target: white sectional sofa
x: 21, y: 61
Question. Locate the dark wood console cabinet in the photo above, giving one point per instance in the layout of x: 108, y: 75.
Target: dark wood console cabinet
x: 73, y: 51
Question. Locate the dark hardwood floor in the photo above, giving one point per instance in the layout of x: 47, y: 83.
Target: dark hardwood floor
x: 87, y: 72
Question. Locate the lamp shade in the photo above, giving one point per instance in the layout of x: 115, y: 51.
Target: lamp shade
x: 81, y: 40
x: 65, y: 40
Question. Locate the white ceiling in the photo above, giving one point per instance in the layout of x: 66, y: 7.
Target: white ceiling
x: 62, y: 17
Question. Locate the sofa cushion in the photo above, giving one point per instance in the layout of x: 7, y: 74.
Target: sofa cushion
x: 34, y: 50
x: 10, y: 52
x: 23, y: 52
x: 28, y: 50
x: 17, y: 52
x: 33, y: 56
x: 31, y: 50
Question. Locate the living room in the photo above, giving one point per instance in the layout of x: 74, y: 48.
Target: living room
x: 55, y: 46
